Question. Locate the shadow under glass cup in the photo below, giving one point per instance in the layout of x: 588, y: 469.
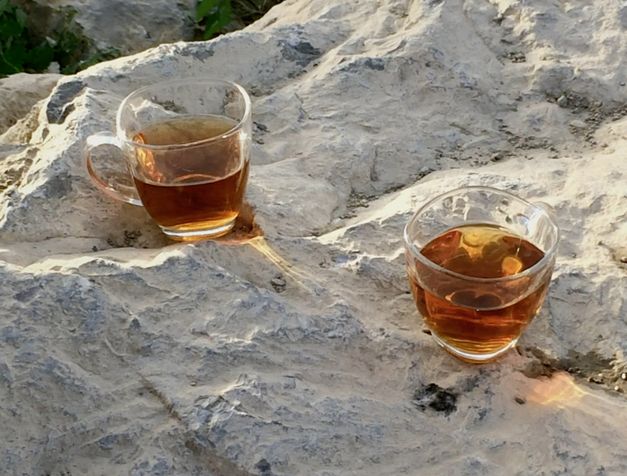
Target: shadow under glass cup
x: 479, y: 262
x: 186, y: 145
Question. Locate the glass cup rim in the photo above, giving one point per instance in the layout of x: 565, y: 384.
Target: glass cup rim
x: 204, y: 81
x: 548, y: 255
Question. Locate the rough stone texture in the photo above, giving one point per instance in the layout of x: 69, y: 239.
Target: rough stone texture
x: 18, y: 94
x: 302, y: 353
x: 128, y: 26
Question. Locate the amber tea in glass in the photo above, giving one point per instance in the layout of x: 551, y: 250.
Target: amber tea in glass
x: 187, y: 145
x: 479, y: 262
x: 194, y: 188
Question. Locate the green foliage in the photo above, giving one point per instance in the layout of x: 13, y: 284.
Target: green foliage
x: 248, y: 11
x: 219, y: 16
x: 214, y: 15
x: 21, y: 49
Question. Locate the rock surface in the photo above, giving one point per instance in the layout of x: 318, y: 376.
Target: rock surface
x: 128, y: 27
x: 123, y: 354
x: 20, y: 92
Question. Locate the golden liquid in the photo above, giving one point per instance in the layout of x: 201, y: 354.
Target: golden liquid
x: 196, y: 187
x: 472, y: 316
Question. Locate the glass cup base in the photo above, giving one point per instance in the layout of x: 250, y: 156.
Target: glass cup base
x: 199, y: 234
x: 471, y: 357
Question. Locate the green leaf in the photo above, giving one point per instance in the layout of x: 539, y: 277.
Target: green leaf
x: 6, y: 67
x: 5, y: 6
x: 217, y: 19
x: 225, y: 14
x: 15, y: 54
x: 10, y: 28
x: 211, y: 25
x: 204, y: 7
x: 21, y: 17
x: 40, y: 57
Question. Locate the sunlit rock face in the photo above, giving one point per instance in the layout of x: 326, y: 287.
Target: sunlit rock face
x: 301, y: 352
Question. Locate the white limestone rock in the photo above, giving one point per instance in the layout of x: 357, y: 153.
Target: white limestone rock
x: 123, y: 354
x: 20, y: 92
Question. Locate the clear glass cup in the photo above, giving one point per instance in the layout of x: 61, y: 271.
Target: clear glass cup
x: 186, y: 146
x: 479, y: 261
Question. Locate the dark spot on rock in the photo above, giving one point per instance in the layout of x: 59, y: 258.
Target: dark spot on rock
x: 130, y: 237
x: 200, y: 51
x: 516, y: 57
x: 435, y: 397
x: 57, y: 108
x: 359, y: 64
x: 264, y: 467
x: 426, y: 331
x: 302, y: 53
x: 117, y: 77
x: 519, y: 400
x: 26, y: 295
x: 58, y: 186
x: 497, y: 157
x: 107, y: 442
x: 278, y: 283
x: 94, y: 248
x: 469, y: 384
x: 375, y: 63
x: 260, y: 127
x: 482, y: 413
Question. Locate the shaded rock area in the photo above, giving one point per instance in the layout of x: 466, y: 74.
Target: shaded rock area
x: 127, y: 27
x: 300, y: 351
x: 20, y: 92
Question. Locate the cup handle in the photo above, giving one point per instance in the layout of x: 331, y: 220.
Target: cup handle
x: 107, y: 172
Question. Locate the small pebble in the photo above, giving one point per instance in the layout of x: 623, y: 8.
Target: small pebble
x: 562, y: 101
x: 519, y: 400
x: 622, y: 83
x: 616, y: 388
x: 623, y: 375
